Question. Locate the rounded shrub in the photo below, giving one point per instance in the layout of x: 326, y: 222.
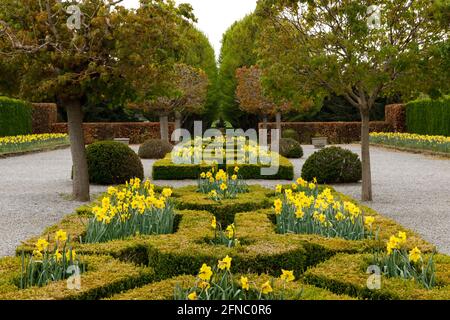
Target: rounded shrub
x: 332, y: 165
x: 290, y: 148
x: 290, y: 134
x: 154, y: 149
x: 111, y: 162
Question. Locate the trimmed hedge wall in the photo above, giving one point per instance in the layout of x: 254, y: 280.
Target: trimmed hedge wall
x: 15, y: 117
x: 165, y: 169
x: 346, y: 274
x: 104, y: 277
x: 430, y: 117
x: 44, y: 116
x: 138, y: 132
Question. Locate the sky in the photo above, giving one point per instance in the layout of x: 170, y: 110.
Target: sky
x: 214, y: 16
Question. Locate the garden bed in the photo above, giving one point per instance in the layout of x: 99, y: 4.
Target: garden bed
x: 148, y: 267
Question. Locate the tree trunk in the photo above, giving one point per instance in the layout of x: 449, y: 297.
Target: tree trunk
x: 366, y: 193
x: 278, y: 120
x: 164, y: 127
x: 78, y: 150
x: 177, y: 125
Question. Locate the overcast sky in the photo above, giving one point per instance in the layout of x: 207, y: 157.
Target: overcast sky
x: 214, y: 16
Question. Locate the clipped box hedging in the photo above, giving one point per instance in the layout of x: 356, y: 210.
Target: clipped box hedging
x: 164, y: 290
x: 15, y: 117
x: 104, y: 277
x: 165, y: 169
x: 346, y: 274
x: 429, y: 117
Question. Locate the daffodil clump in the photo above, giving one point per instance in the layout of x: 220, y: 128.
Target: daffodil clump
x: 399, y: 262
x: 133, y: 210
x: 46, y: 265
x: 303, y: 210
x: 410, y: 140
x: 225, y: 237
x: 220, y: 185
x: 30, y: 141
x: 218, y: 283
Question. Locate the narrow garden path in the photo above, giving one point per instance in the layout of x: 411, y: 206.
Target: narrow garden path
x: 412, y: 189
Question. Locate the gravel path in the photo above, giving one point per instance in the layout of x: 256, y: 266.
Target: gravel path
x: 412, y: 189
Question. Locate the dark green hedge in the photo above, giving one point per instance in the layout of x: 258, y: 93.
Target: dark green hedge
x: 15, y: 117
x: 431, y: 117
x: 165, y: 169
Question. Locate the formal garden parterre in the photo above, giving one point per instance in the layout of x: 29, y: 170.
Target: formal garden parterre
x: 321, y: 259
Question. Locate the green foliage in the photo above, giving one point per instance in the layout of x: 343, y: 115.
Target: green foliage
x: 290, y: 134
x: 290, y: 148
x: 332, y: 165
x: 15, y: 117
x: 112, y: 162
x: 154, y: 149
x: 238, y: 50
x: 429, y: 117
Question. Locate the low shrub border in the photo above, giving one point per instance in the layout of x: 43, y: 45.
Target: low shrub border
x: 105, y: 276
x: 165, y: 169
x: 346, y: 274
x: 164, y: 290
x: 262, y: 250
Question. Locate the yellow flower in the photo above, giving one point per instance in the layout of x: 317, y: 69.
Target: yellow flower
x: 244, y: 283
x: 192, y: 296
x: 287, y: 276
x: 301, y: 182
x: 211, y: 180
x: 266, y: 288
x: 42, y: 245
x: 236, y: 169
x: 312, y: 186
x: 402, y: 236
x: 230, y: 231
x: 203, y: 175
x: 204, y: 285
x: 205, y: 272
x: 278, y: 204
x: 209, y: 175
x: 294, y: 186
x: 37, y: 254
x: 223, y: 187
x: 167, y: 192
x: 279, y: 188
x: 234, y: 177
x: 58, y: 255
x: 299, y: 213
x: 213, y: 194
x: 368, y: 221
x: 71, y: 253
x: 61, y: 236
x: 112, y: 191
x: 339, y: 216
x: 415, y: 255
x: 214, y: 223
x: 225, y: 263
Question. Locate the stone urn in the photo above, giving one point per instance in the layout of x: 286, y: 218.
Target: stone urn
x: 319, y: 142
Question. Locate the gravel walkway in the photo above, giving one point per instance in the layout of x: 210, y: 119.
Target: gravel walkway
x: 412, y: 189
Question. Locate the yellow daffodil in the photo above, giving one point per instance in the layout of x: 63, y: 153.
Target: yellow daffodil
x: 223, y: 187
x: 58, y: 255
x: 299, y: 213
x: 225, y: 263
x: 42, y: 245
x: 244, y: 283
x: 278, y: 188
x: 415, y: 255
x: 234, y: 177
x: 203, y: 175
x: 294, y: 186
x: 37, y: 254
x: 214, y: 223
x: 368, y: 221
x: 205, y: 272
x: 204, y: 285
x: 167, y: 192
x: 230, y: 231
x: 192, y: 296
x: 266, y: 288
x: 301, y: 182
x: 287, y: 276
x: 236, y: 169
x: 278, y: 204
x: 61, y: 236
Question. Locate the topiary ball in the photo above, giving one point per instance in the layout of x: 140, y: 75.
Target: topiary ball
x: 290, y: 134
x: 290, y: 148
x: 154, y: 149
x: 111, y: 162
x: 333, y: 165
